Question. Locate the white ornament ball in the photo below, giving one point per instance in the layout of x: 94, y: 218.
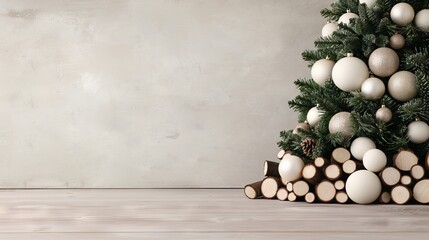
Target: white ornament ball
x: 422, y: 20
x: 360, y: 146
x: 373, y: 88
x: 329, y: 28
x: 402, y: 14
x: 314, y: 116
x: 290, y: 168
x: 322, y: 71
x: 397, y: 41
x: 383, y: 62
x: 301, y: 127
x: 345, y: 18
x: 418, y: 132
x: 403, y: 86
x: 374, y: 160
x: 363, y: 187
x: 340, y: 123
x: 349, y: 73
x: 369, y: 3
x: 384, y: 114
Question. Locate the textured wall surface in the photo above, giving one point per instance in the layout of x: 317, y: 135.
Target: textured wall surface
x: 147, y: 93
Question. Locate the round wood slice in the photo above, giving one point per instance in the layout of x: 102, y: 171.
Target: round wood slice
x: 349, y: 166
x: 385, y: 197
x: 282, y: 194
x: 271, y: 169
x: 269, y: 187
x: 289, y: 187
x: 400, y: 194
x: 406, y: 180
x: 320, y: 162
x: 310, y: 197
x: 326, y: 191
x: 339, y: 185
x: 253, y: 190
x: 390, y: 176
x: 300, y: 188
x: 333, y: 172
x: 421, y: 191
x: 340, y: 155
x: 281, y: 154
x: 311, y: 174
x: 291, y: 197
x: 404, y: 160
x: 341, y: 197
x: 417, y: 172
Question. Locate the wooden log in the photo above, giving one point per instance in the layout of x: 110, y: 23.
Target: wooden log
x: 271, y: 169
x: 390, y: 176
x: 281, y: 154
x: 340, y: 155
x: 320, y: 162
x: 310, y: 197
x: 289, y: 186
x: 292, y: 197
x: 311, y: 174
x: 417, y: 172
x: 300, y: 188
x: 333, y: 172
x: 427, y: 161
x: 325, y: 191
x: 401, y: 194
x: 421, y: 191
x: 269, y: 186
x: 406, y: 180
x: 351, y: 166
x: 282, y: 194
x: 404, y: 160
x: 385, y: 198
x: 253, y: 190
x: 341, y: 197
x: 339, y: 185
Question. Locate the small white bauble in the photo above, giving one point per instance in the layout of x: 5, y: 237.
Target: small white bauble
x: 383, y: 62
x: 369, y: 3
x: 422, y: 20
x: 373, y: 88
x: 360, y: 146
x: 322, y: 71
x: 374, y: 160
x: 329, y: 28
x: 340, y: 123
x: 397, y: 41
x: 402, y: 14
x: 349, y: 73
x: 314, y: 116
x: 290, y: 168
x: 384, y: 114
x: 345, y: 18
x: 418, y: 132
x: 403, y: 86
x: 363, y: 187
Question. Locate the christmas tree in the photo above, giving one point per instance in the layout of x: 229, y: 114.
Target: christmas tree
x: 367, y: 101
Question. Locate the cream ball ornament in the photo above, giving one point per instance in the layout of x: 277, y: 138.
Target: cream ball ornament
x: 374, y: 160
x: 369, y: 3
x: 373, y: 88
x: 340, y: 123
x: 363, y: 187
x: 402, y: 14
x: 383, y: 62
x: 290, y: 168
x: 329, y: 29
x: 384, y: 114
x: 418, y: 132
x: 402, y: 86
x: 301, y: 127
x: 397, y: 41
x: 345, y: 18
x: 422, y: 20
x: 322, y: 71
x: 360, y: 146
x: 349, y: 73
x: 314, y: 116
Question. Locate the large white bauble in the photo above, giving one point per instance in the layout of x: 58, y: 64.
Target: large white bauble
x: 360, y: 146
x: 403, y: 86
x: 363, y: 187
x: 314, y: 116
x: 329, y: 28
x: 369, y: 3
x: 340, y: 123
x: 373, y: 88
x: 374, y: 160
x: 290, y: 168
x: 322, y: 71
x: 402, y: 14
x: 345, y: 18
x: 422, y: 20
x: 383, y: 62
x: 349, y: 73
x: 418, y: 132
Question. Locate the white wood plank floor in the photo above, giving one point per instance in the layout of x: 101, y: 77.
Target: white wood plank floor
x: 81, y: 214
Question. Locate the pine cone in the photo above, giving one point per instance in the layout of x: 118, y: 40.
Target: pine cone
x: 307, y: 146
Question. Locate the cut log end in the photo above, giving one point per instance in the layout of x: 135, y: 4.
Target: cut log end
x: 339, y: 185
x: 310, y: 197
x: 404, y: 160
x: 333, y: 172
x: 401, y: 194
x: 311, y: 174
x: 390, y: 176
x: 326, y: 191
x: 281, y: 154
x: 417, y: 172
x: 385, y: 198
x: 320, y: 162
x: 270, y: 186
x: 300, y: 188
x: 341, y: 197
x: 282, y: 194
x: 340, y: 155
x: 351, y: 166
x: 289, y: 187
x: 253, y: 190
x: 406, y: 180
x: 421, y: 191
x: 292, y: 197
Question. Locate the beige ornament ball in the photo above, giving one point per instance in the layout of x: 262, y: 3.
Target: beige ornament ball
x: 340, y: 123
x: 422, y: 20
x: 301, y: 126
x: 349, y: 73
x: 290, y: 168
x: 402, y: 86
x: 369, y: 3
x: 374, y: 160
x: 329, y: 28
x: 360, y: 146
x: 397, y: 41
x: 383, y: 62
x: 345, y: 18
x: 384, y: 114
x: 402, y: 14
x: 418, y: 132
x: 314, y: 116
x: 373, y: 88
x: 322, y: 71
x: 363, y: 187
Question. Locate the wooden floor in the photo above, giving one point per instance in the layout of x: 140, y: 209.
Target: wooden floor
x: 196, y: 214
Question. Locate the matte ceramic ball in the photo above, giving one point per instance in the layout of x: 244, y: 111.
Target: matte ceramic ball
x: 363, y: 187
x: 360, y: 146
x: 418, y: 132
x: 403, y: 86
x: 329, y: 28
x: 369, y: 3
x: 301, y: 126
x: 373, y: 89
x: 384, y: 114
x: 383, y: 62
x: 322, y: 71
x: 345, y: 18
x: 402, y: 14
x: 290, y: 168
x: 340, y: 123
x: 422, y: 20
x: 349, y: 73
x: 374, y: 160
x: 397, y: 41
x: 313, y: 116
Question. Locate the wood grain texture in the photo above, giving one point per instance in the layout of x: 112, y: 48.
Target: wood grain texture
x: 196, y: 214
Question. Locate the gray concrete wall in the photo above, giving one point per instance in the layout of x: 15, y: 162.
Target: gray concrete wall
x: 147, y: 93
